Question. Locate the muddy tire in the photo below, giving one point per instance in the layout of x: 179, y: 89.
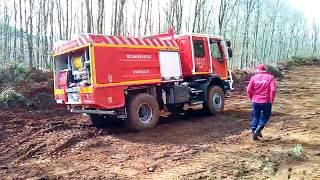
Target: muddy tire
x: 215, y: 100
x: 143, y: 112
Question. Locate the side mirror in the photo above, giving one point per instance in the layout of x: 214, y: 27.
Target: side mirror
x: 228, y: 43
x: 230, y: 52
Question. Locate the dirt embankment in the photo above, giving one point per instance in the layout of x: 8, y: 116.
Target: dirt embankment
x: 58, y: 145
x: 34, y: 88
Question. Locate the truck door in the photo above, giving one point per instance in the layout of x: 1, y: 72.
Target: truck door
x: 219, y: 59
x: 201, y: 55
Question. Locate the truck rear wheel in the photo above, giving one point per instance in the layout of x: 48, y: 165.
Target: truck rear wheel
x: 215, y: 100
x: 143, y: 112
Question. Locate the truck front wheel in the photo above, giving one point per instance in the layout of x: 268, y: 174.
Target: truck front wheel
x: 143, y: 112
x: 215, y: 100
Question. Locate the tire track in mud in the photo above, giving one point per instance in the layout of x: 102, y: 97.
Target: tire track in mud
x: 33, y: 141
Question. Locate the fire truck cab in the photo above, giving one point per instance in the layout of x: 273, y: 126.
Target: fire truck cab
x: 135, y: 78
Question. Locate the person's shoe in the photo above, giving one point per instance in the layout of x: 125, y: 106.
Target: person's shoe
x: 257, y: 133
x: 260, y: 135
x: 255, y: 137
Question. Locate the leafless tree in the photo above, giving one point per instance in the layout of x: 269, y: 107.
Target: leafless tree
x: 100, y: 16
x: 315, y: 29
x: 89, y: 16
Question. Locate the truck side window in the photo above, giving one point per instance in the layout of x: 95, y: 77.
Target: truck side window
x: 198, y: 48
x: 215, y: 50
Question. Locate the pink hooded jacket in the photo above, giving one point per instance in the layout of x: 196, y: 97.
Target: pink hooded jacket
x: 262, y: 88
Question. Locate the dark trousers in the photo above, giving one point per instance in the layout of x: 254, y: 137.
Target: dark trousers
x: 261, y: 113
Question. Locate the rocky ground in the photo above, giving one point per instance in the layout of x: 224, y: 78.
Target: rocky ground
x: 57, y: 145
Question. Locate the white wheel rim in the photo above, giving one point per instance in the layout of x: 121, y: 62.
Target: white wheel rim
x: 145, y: 113
x: 217, y: 100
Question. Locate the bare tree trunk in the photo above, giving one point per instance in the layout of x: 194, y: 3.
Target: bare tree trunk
x: 21, y: 34
x: 51, y: 31
x: 256, y: 32
x: 88, y: 16
x: 4, y: 33
x: 140, y: 16
x: 315, y: 29
x: 29, y: 24
x: 264, y: 42
x: 179, y: 15
x: 44, y: 35
x: 273, y: 21
x: 222, y: 13
x: 147, y: 16
x: 112, y: 17
x: 15, y: 31
x: 196, y: 14
x: 91, y: 14
x: 71, y: 20
x: 67, y: 20
x: 291, y: 39
x: 159, y: 19
x: 120, y: 22
x: 133, y: 27
x: 280, y: 47
x: 38, y: 57
x: 100, y: 16
x: 151, y: 18
x: 82, y: 17
x: 250, y: 4
x: 59, y: 18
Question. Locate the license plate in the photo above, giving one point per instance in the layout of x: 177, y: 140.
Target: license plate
x: 73, y: 97
x: 59, y: 101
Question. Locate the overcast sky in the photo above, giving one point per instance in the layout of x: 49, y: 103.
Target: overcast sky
x: 311, y: 8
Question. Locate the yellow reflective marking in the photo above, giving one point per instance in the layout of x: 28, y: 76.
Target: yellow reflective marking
x: 93, y: 66
x: 86, y: 90
x: 138, y: 46
x: 201, y: 73
x: 58, y: 91
x: 125, y: 83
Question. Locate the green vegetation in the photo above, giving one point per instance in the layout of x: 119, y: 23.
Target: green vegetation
x: 10, y: 96
x: 297, y: 152
x: 13, y: 72
x: 17, y: 72
x: 299, y: 61
x: 275, y: 71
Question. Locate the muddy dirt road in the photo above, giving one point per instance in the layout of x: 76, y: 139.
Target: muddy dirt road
x: 54, y: 145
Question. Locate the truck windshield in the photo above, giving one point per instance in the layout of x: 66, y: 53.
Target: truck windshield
x: 215, y: 50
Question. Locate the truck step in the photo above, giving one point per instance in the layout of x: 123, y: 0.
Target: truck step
x: 199, y: 80
x: 195, y: 91
x: 193, y: 103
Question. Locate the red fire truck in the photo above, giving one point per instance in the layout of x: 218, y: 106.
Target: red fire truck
x: 134, y: 79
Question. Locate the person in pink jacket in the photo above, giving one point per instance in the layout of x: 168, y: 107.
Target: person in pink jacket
x: 261, y: 91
